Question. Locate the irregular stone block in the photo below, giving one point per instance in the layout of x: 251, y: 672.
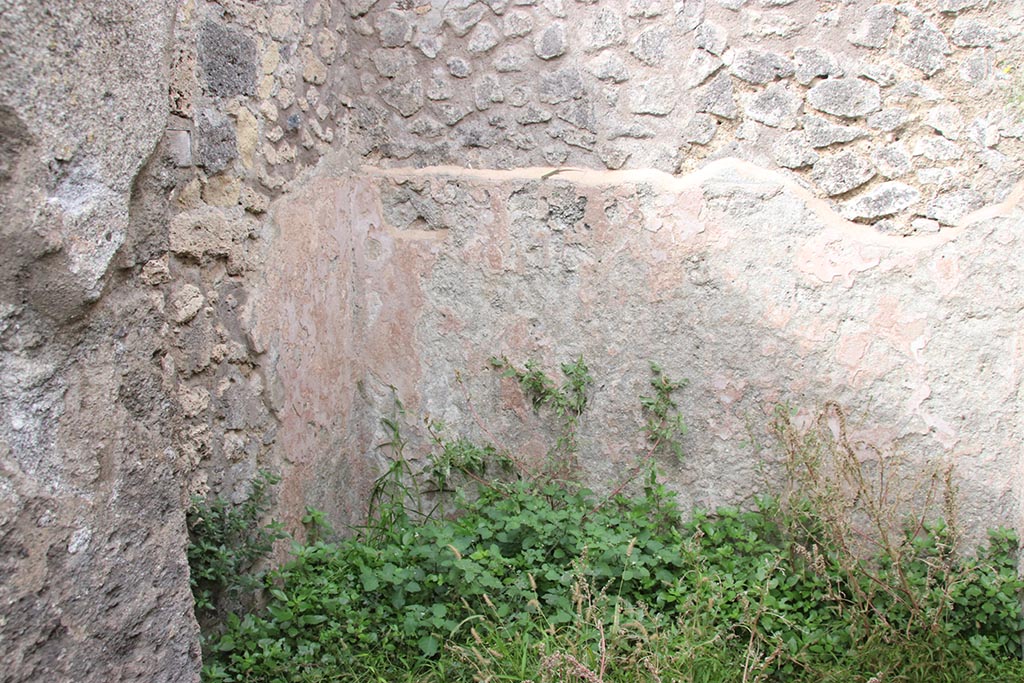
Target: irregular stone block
x: 775, y: 106
x: 645, y: 8
x: 451, y: 114
x: 510, y: 60
x: 954, y: 6
x: 459, y: 67
x: 579, y: 113
x: 393, y: 28
x: 875, y: 28
x: 438, y: 88
x: 531, y: 114
x: 883, y: 74
x: 314, y: 71
x: 769, y: 25
x: 405, y: 95
x: 944, y: 178
x: 517, y: 24
x: 821, y: 132
x: 483, y: 38
x: 497, y: 6
x: 612, y: 156
x: 656, y: 96
x: 883, y: 200
x: 946, y: 120
x: 187, y: 302
x: 701, y: 129
x: 700, y: 66
x: 925, y: 47
x: 893, y: 161
x: 179, y: 148
x: 888, y: 120
x: 810, y: 63
x: 357, y: 8
x: 847, y: 97
x: 390, y: 63
x: 760, y: 67
x: 717, y: 97
x: 478, y: 135
x: 792, y: 151
x: 216, y: 143
x: 841, y: 173
x: 689, y: 14
x: 608, y: 67
x: 976, y: 68
x: 949, y: 207
x: 487, y: 91
x: 227, y: 60
x: 462, y: 21
x: 969, y: 32
x: 711, y: 37
x: 560, y: 86
x: 650, y: 46
x: 936, y: 148
x: 606, y: 29
x: 551, y: 42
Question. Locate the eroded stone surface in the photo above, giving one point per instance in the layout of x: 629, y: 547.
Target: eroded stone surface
x: 587, y: 238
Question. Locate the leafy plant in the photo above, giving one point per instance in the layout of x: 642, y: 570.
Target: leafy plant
x: 663, y: 424
x: 226, y: 542
x: 533, y: 579
x: 567, y: 401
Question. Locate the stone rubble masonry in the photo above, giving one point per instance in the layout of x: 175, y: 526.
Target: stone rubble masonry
x: 93, y: 574
x: 449, y: 266
x: 230, y: 225
x: 428, y: 83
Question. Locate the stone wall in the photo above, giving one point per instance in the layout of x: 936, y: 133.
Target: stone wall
x: 233, y: 226
x: 898, y: 116
x: 93, y: 575
x: 735, y: 278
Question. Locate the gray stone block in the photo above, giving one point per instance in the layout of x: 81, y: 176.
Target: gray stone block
x: 925, y: 47
x: 711, y: 37
x: 560, y: 86
x: 892, y: 161
x: 227, y: 60
x: 605, y: 30
x: 656, y: 96
x: 717, y: 97
x: 216, y: 141
x: 404, y: 95
x: 821, y: 132
x: 841, y: 173
x: 551, y: 42
x: 701, y: 129
x: 393, y: 28
x: 875, y: 28
x: 949, y: 207
x: 847, y: 97
x: 483, y: 38
x: 651, y: 45
x: 888, y: 120
x: 810, y: 63
x: 969, y: 32
x: 775, y: 106
x: 884, y: 200
x: 760, y: 67
x: 935, y: 148
x: 792, y: 151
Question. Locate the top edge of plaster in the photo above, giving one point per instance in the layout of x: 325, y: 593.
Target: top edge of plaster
x: 729, y: 170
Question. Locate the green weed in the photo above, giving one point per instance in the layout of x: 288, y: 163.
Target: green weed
x: 533, y: 579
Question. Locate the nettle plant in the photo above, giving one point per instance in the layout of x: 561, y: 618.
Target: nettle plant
x: 478, y: 566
